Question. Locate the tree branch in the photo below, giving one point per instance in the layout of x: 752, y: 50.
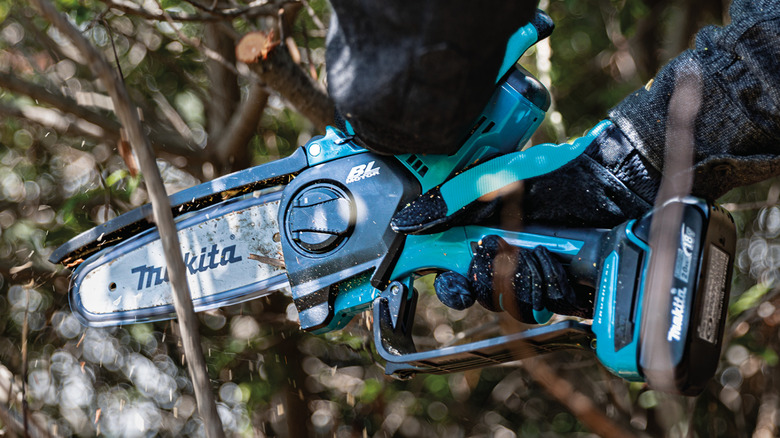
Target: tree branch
x: 224, y: 94
x: 169, y: 237
x: 63, y: 103
x: 13, y: 419
x: 275, y: 66
x: 86, y: 123
x: 195, y: 43
x: 254, y: 10
x: 56, y: 121
x: 240, y: 129
x: 54, y: 50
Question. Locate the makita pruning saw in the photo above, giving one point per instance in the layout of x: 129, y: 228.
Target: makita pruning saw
x: 319, y: 221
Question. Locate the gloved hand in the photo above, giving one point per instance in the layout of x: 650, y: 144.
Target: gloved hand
x: 597, y: 180
x: 609, y: 189
x: 524, y: 283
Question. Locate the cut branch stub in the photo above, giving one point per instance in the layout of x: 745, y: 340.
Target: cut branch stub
x: 256, y: 46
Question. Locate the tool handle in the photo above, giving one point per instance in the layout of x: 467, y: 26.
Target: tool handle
x: 511, y: 116
x: 452, y: 250
x: 394, y: 313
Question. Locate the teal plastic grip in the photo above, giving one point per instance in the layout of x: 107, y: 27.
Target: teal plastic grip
x: 508, y: 120
x: 451, y: 251
x: 623, y: 362
x: 518, y: 43
x: 499, y: 172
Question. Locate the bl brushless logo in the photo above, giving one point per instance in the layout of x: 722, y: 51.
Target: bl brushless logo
x: 362, y: 171
x: 195, y: 263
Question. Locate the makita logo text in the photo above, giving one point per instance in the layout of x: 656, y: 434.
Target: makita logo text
x: 195, y: 263
x: 362, y: 171
x: 678, y: 313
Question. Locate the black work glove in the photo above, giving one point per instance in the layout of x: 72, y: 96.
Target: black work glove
x: 522, y: 282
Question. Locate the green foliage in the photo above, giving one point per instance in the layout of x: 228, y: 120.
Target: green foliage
x: 749, y: 299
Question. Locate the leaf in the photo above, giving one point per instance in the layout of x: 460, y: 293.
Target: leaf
x: 750, y: 298
x: 256, y: 45
x: 115, y: 177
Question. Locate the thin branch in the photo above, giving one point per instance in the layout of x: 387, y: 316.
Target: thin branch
x: 87, y: 123
x: 676, y: 182
x: 17, y: 426
x: 10, y: 417
x: 772, y: 197
x: 25, y: 330
x: 544, y: 69
x: 622, y: 61
x: 766, y: 423
x: 241, y: 127
x: 224, y: 93
x: 169, y: 237
x: 313, y: 15
x: 281, y: 74
x: 580, y: 405
x: 253, y: 10
x: 173, y: 116
x: 195, y: 43
x: 55, y: 50
x: 63, y: 103
x: 487, y: 327
x: 205, y: 8
x: 55, y: 120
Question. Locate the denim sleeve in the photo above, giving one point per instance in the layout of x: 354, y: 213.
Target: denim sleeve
x: 737, y: 130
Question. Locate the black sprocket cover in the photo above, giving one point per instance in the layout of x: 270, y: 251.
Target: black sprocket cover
x: 334, y: 221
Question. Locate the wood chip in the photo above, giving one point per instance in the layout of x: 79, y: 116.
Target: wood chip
x: 267, y: 260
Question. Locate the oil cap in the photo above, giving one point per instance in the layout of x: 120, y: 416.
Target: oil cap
x: 320, y: 218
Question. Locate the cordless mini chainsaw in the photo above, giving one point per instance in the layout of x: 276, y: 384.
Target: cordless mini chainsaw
x: 318, y: 221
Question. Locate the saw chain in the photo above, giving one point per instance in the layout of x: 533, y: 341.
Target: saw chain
x: 318, y: 221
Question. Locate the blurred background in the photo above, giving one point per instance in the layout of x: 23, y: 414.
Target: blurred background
x: 62, y: 172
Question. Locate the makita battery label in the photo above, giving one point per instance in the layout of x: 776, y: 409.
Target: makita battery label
x: 714, y: 290
x: 682, y: 290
